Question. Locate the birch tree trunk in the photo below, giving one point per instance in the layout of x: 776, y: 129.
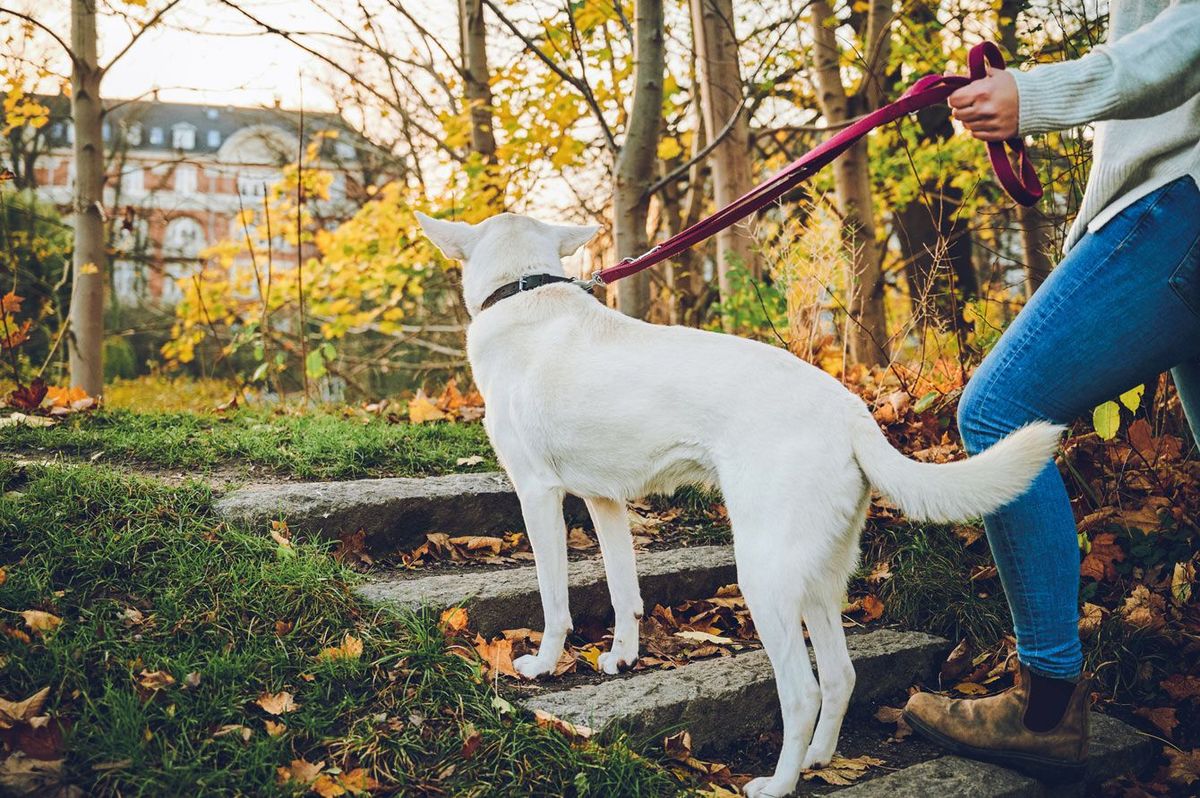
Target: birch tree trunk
x: 478, y: 91
x: 86, y: 334
x: 634, y: 168
x: 721, y: 90
x: 867, y: 331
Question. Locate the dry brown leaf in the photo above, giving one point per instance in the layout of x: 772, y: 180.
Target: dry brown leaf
x: 1163, y: 719
x: 277, y: 703
x: 300, y: 770
x: 578, y: 540
x: 841, y: 771
x: 14, y: 712
x: 155, y: 680
x: 970, y: 688
x: 1090, y: 619
x: 422, y: 409
x: 358, y: 781
x: 1101, y: 559
x: 496, y: 654
x: 351, y: 648
x: 235, y: 728
x: 1143, y: 609
x: 872, y: 607
x: 41, y: 622
x: 479, y: 542
x: 454, y: 620
x: 571, y: 730
x: 704, y: 637
x: 1183, y: 767
x: 326, y: 787
x: 23, y: 775
x: 274, y: 729
x: 1182, y: 687
x: 894, y: 716
x: 678, y: 746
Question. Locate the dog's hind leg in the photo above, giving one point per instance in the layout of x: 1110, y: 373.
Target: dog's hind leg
x: 775, y: 602
x: 543, y: 514
x: 616, y: 544
x: 836, y: 672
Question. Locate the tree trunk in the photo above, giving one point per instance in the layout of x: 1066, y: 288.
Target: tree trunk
x: 474, y: 69
x: 86, y: 334
x: 867, y: 331
x: 1034, y: 241
x: 634, y: 169
x: 720, y: 82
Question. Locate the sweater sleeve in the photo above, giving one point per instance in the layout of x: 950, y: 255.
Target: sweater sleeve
x: 1145, y: 73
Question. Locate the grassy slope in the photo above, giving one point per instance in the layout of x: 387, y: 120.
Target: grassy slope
x: 316, y: 445
x: 87, y: 544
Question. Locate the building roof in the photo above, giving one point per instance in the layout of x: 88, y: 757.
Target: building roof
x: 134, y: 120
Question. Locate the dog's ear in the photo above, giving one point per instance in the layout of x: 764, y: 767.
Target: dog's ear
x: 573, y: 236
x: 452, y: 238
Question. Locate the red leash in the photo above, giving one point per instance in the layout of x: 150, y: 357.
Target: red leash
x: 929, y: 90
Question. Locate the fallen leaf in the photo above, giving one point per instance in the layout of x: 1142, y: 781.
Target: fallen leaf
x: 471, y: 741
x: 970, y: 688
x: 1090, y: 619
x: 358, y: 781
x: 894, y: 716
x: 1182, y: 687
x: 13, y: 712
x: 579, y: 540
x: 41, y: 622
x: 22, y: 775
x: 1183, y: 767
x: 300, y: 770
x: 351, y: 648
x: 704, y: 637
x: 678, y: 746
x: 326, y: 787
x: 454, y: 620
x: 1101, y: 559
x: 1143, y: 609
x: 421, y: 409
x: 473, y: 460
x: 841, y: 771
x: 1163, y: 718
x: 155, y: 680
x: 235, y: 728
x: 497, y: 654
x: 274, y: 729
x: 192, y: 680
x: 547, y: 720
x: 277, y: 703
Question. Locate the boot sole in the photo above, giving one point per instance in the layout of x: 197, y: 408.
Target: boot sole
x: 1055, y: 771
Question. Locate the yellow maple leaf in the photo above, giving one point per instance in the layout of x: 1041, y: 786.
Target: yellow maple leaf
x: 89, y: 268
x: 351, y: 648
x: 274, y: 729
x: 454, y: 619
x: 326, y: 787
x: 422, y: 409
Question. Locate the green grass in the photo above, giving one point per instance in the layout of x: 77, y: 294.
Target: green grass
x: 314, y: 445
x: 930, y: 588
x: 87, y: 544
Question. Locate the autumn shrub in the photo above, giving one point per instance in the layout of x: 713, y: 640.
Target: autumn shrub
x: 183, y: 655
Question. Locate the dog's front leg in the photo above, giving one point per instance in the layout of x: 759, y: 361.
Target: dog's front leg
x: 616, y: 544
x: 547, y: 532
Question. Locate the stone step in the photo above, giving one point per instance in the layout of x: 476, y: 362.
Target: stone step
x: 1115, y: 749
x: 509, y: 599
x: 394, y: 513
x: 721, y: 700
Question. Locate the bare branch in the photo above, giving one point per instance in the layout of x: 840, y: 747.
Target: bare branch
x: 41, y: 26
x: 139, y: 33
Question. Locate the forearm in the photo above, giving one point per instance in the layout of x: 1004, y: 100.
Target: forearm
x: 1143, y: 74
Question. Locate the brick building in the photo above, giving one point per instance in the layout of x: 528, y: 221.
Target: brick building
x: 177, y: 176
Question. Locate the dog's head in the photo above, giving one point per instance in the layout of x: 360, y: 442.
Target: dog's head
x: 504, y: 248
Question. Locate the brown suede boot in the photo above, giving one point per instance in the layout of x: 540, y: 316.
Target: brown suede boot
x: 993, y: 729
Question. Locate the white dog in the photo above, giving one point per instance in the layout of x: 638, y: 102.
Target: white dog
x: 584, y: 400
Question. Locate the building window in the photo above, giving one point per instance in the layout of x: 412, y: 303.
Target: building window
x: 253, y: 185
x: 132, y: 181
x: 56, y: 132
x: 185, y: 179
x: 129, y: 282
x: 214, y: 138
x: 183, y: 137
x: 156, y: 135
x: 134, y: 134
x: 184, y: 238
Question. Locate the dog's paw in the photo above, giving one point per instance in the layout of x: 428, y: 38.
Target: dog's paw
x: 768, y: 787
x: 816, y: 758
x: 531, y: 667
x: 611, y: 662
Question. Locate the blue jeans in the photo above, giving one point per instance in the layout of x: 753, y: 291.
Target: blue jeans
x: 1120, y: 309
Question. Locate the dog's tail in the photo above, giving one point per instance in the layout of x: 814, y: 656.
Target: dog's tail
x: 954, y: 491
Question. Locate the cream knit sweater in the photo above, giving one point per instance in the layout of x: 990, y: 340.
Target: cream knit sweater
x: 1142, y: 87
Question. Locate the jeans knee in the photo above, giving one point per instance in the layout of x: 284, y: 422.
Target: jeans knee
x: 977, y: 423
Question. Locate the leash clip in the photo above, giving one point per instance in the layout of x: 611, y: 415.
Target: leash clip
x: 594, y: 280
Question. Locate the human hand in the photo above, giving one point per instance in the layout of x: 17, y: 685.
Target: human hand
x: 989, y: 107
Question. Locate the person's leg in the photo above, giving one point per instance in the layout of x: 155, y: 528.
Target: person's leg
x: 1187, y: 385
x: 1108, y: 318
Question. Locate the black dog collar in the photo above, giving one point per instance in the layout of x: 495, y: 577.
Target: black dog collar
x: 526, y: 283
